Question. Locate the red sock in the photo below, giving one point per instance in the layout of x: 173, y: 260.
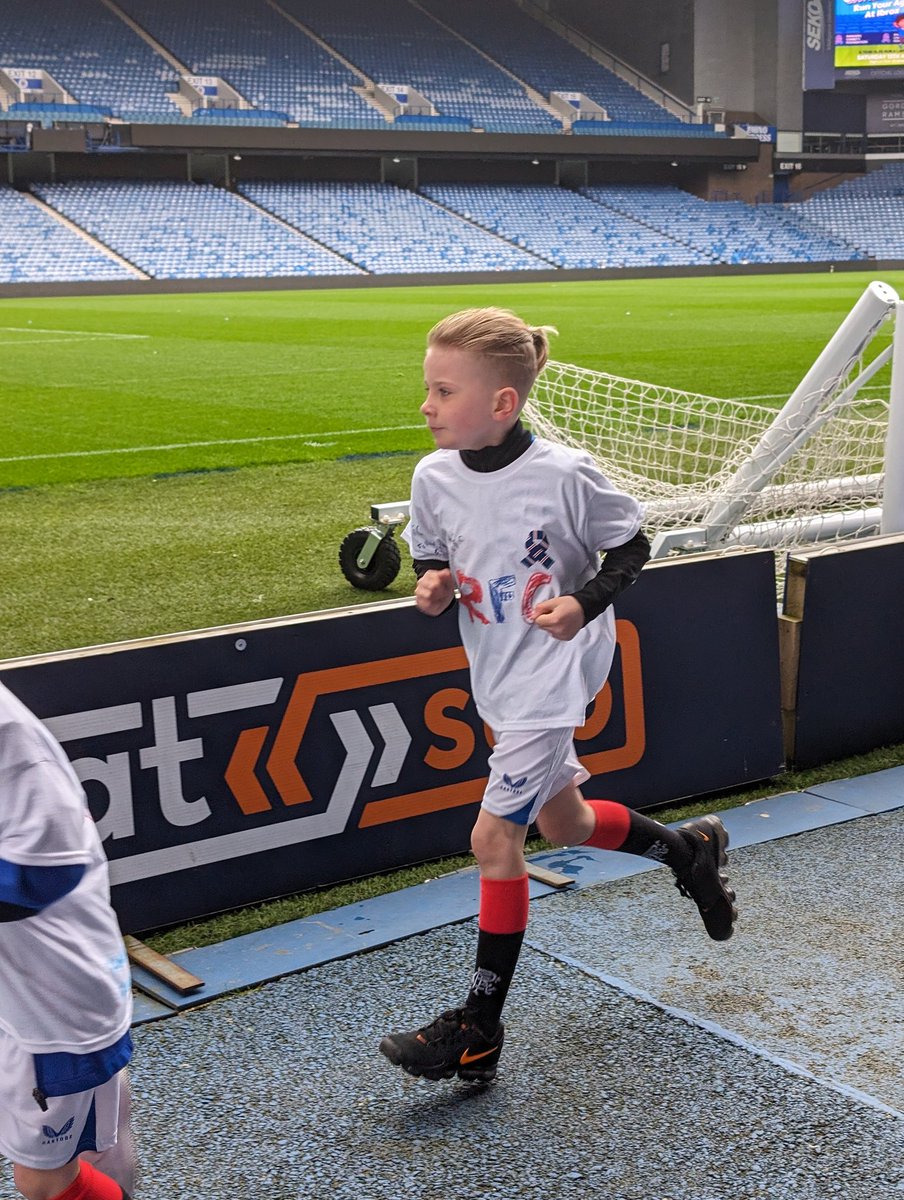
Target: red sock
x: 503, y: 905
x: 613, y: 821
x: 91, y: 1184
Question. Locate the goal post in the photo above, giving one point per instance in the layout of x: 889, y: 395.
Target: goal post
x: 893, y: 497
x: 823, y: 392
x: 715, y: 474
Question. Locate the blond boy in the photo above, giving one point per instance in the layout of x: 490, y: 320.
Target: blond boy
x: 511, y: 527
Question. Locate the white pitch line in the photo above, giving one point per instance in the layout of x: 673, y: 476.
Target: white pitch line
x: 720, y: 1031
x: 91, y: 333
x: 276, y: 437
x: 47, y: 341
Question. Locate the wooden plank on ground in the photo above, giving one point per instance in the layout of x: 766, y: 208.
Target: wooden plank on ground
x: 161, y: 967
x: 544, y: 875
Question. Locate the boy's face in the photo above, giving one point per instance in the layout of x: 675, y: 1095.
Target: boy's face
x: 466, y: 406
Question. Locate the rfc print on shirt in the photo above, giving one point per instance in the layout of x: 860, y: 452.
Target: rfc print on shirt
x: 502, y: 591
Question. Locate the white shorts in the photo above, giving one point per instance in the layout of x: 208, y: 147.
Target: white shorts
x: 527, y: 768
x: 86, y: 1120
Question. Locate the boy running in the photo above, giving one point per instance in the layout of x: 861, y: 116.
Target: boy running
x: 65, y: 997
x: 513, y: 526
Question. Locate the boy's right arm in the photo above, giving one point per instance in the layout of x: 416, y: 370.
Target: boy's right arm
x: 435, y: 591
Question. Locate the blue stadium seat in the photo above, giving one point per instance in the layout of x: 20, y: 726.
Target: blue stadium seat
x: 189, y: 231
x: 35, y: 248
x: 565, y: 229
x: 862, y: 212
x: 726, y: 231
x: 387, y: 229
x: 97, y: 58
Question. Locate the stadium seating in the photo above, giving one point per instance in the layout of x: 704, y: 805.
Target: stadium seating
x: 564, y: 228
x: 297, y: 228
x: 36, y: 248
x: 397, y: 42
x: 727, y: 231
x: 189, y: 231
x: 95, y: 56
x: 548, y: 63
x: 864, y: 211
x: 308, y: 61
x: 645, y: 129
x: 269, y: 61
x: 386, y: 229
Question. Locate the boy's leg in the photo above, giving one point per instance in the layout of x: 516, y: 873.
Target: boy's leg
x: 35, y: 1184
x: 467, y: 1041
x: 695, y: 852
x: 498, y: 846
x: 76, y: 1181
x: 525, y: 768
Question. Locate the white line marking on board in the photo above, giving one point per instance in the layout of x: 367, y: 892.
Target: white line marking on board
x: 89, y: 333
x: 275, y: 437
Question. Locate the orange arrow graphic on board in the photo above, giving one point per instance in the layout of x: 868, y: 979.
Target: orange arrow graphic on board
x: 240, y: 776
x: 282, y: 765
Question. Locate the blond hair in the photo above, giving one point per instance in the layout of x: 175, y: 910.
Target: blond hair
x: 518, y: 350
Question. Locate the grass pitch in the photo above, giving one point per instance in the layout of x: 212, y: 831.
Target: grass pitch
x: 175, y: 462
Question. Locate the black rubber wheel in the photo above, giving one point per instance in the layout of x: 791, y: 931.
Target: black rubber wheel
x: 382, y: 568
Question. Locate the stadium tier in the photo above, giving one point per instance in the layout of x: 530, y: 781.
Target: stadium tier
x: 470, y: 66
x: 728, y: 231
x: 171, y: 230
x: 547, y: 62
x: 37, y: 248
x: 190, y: 231
x: 864, y: 211
x: 268, y: 60
x: 387, y: 230
x: 564, y: 228
x: 395, y: 42
x: 97, y: 59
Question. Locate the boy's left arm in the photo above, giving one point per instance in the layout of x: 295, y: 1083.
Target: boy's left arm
x: 620, y: 567
x: 563, y: 616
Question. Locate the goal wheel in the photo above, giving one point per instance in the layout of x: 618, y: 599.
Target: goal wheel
x: 383, y: 566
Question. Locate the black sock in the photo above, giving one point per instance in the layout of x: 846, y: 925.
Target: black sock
x: 649, y: 839
x: 494, y: 968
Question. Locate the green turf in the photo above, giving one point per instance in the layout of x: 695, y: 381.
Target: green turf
x: 203, y: 465
x: 109, y: 387
x: 103, y: 561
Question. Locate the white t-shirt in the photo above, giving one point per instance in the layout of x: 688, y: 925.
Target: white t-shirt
x: 64, y: 973
x: 513, y: 537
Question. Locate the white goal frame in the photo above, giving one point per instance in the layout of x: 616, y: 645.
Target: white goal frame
x: 710, y: 514
x: 715, y: 475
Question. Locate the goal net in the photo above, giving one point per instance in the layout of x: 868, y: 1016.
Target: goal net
x: 715, y: 474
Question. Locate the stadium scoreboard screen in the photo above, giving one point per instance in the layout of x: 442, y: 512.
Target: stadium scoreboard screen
x: 869, y: 38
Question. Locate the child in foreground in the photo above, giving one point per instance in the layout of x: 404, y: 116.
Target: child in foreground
x: 510, y: 527
x: 65, y: 995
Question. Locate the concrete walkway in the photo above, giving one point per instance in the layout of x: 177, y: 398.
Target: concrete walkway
x: 642, y: 1061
